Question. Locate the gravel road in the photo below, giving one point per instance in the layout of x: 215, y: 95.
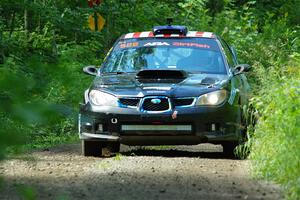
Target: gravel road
x: 185, y: 172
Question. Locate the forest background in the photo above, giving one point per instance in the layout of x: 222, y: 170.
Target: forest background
x: 45, y: 43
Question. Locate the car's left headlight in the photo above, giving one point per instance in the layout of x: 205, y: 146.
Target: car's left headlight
x: 212, y: 98
x: 99, y: 98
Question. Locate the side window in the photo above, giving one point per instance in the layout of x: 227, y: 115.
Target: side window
x: 229, y: 56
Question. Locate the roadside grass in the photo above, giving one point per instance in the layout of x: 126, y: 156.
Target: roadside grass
x: 242, y: 151
x: 40, y: 143
x: 275, y: 149
x: 118, y: 157
x: 274, y: 123
x: 52, y: 140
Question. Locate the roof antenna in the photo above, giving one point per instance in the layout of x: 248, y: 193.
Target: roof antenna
x: 169, y: 21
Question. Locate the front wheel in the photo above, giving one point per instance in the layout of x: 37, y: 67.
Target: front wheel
x: 228, y: 149
x: 99, y: 149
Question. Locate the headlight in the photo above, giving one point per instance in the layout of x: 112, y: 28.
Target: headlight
x: 212, y: 98
x: 102, y: 99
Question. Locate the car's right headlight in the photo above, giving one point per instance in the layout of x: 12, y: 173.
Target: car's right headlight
x: 212, y: 98
x: 99, y: 98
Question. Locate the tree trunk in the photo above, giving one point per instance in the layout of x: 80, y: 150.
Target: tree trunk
x: 1, y: 49
x: 54, y: 45
x: 26, y: 19
x: 12, y: 24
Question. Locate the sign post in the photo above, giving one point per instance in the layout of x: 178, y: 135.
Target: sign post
x: 96, y: 21
x: 93, y: 3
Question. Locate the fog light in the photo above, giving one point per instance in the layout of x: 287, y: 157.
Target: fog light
x: 87, y: 127
x: 100, y: 127
x: 213, y: 127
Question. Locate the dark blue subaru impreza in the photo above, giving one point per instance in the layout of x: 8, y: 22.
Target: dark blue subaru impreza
x: 169, y: 86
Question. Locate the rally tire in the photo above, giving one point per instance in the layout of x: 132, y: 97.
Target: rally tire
x: 110, y: 149
x: 91, y: 148
x: 99, y: 149
x: 229, y: 149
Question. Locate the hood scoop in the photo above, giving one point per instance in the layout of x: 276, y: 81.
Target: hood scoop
x: 165, y: 76
x: 208, y: 81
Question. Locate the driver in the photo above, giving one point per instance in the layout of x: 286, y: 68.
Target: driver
x: 198, y: 59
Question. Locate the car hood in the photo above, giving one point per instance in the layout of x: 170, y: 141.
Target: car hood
x: 127, y: 85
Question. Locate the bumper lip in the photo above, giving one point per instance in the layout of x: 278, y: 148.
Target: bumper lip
x: 91, y: 136
x: 103, y: 137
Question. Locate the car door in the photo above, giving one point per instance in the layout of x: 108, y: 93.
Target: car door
x: 239, y: 82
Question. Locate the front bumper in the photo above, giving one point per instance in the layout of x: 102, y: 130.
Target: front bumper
x: 192, y: 125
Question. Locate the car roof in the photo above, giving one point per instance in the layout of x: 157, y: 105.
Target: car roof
x: 150, y: 34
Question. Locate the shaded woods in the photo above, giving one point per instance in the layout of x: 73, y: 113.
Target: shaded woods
x: 45, y: 44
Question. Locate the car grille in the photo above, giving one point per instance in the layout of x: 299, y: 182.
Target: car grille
x: 134, y: 102
x: 183, y: 101
x: 163, y: 105
x: 147, y: 105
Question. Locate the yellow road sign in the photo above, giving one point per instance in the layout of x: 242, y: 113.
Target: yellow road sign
x: 96, y: 22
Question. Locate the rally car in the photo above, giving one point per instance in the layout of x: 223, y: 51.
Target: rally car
x: 169, y: 86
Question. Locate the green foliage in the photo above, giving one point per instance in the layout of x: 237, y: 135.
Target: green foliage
x: 194, y: 14
x: 45, y: 44
x: 11, y: 122
x: 118, y: 157
x: 271, y: 48
x: 275, y: 104
x: 276, y: 141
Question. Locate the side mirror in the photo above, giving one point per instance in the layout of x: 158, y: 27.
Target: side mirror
x: 90, y: 70
x: 241, y: 68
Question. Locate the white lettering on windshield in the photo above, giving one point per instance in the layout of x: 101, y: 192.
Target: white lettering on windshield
x: 157, y: 44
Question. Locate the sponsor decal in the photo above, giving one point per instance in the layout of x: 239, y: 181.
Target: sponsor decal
x: 157, y: 44
x: 191, y: 44
x: 156, y: 92
x: 174, y: 115
x: 129, y: 45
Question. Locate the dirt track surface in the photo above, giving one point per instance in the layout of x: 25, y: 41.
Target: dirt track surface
x: 193, y: 172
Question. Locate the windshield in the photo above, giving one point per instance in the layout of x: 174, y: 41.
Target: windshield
x: 193, y: 55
